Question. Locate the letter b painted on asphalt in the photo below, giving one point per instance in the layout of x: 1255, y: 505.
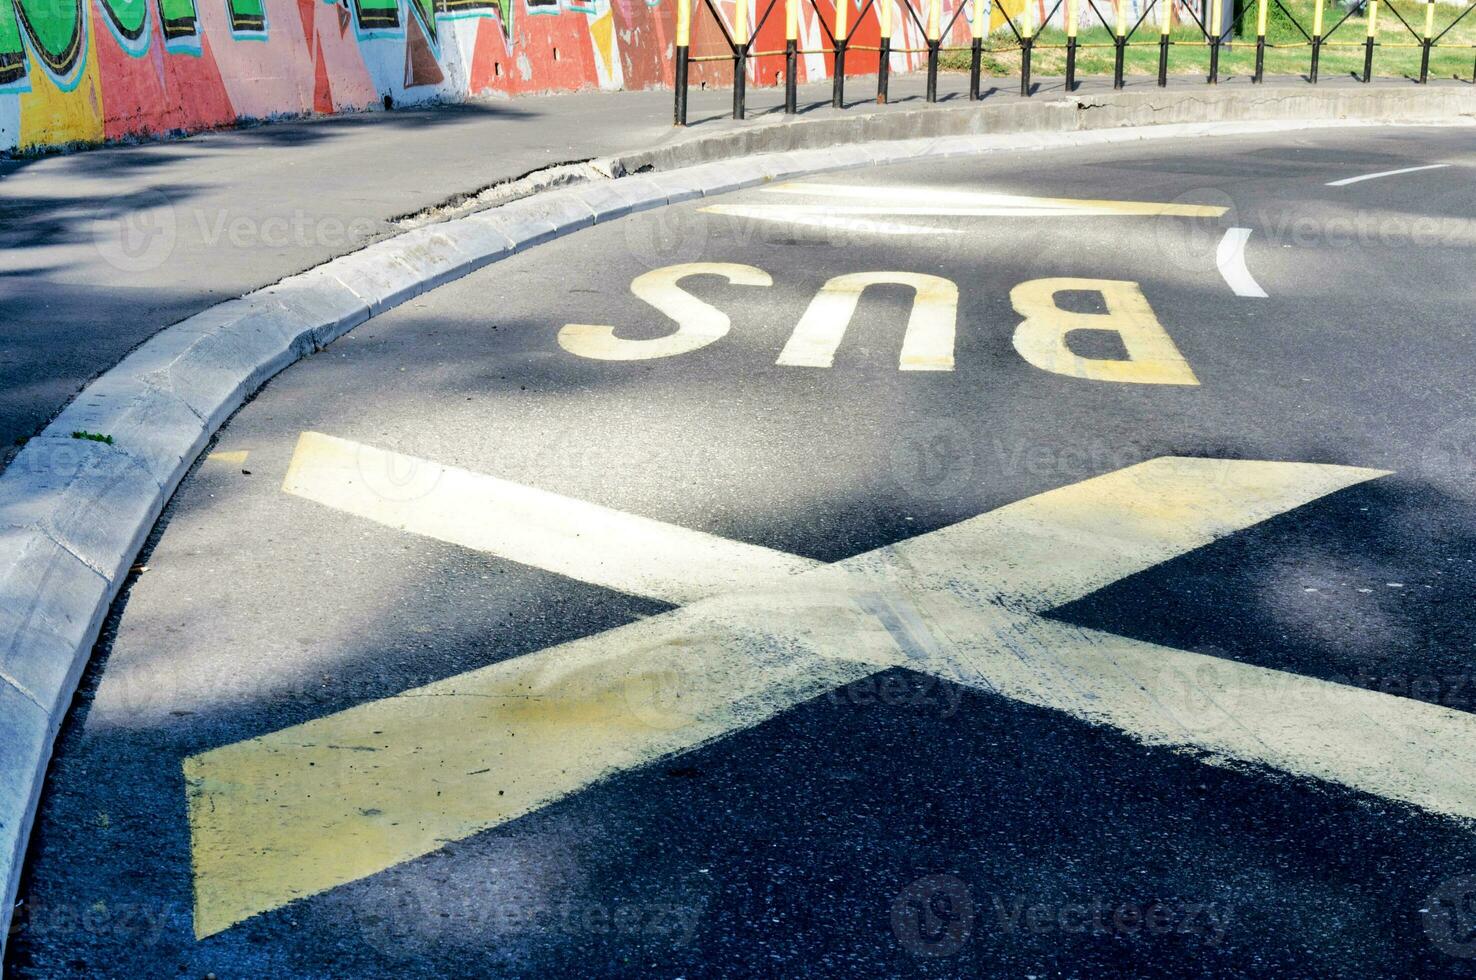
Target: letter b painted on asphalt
x: 1041, y: 337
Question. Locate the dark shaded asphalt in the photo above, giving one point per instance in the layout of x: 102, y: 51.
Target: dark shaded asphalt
x: 899, y: 826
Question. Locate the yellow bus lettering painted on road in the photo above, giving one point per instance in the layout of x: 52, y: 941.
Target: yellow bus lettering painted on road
x: 698, y: 323
x: 927, y: 344
x: 1041, y: 337
x: 929, y: 337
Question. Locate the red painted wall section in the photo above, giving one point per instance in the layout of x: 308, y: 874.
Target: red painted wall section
x: 159, y: 93
x: 646, y: 61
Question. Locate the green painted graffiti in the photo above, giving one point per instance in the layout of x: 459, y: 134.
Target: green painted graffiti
x: 53, y: 29
x: 130, y: 18
x: 502, y: 7
x: 178, y: 18
x: 248, y: 16
x: 374, y: 15
x: 385, y: 14
x: 12, y: 55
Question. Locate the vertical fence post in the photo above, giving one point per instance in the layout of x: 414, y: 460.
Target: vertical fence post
x: 1071, y: 15
x: 1217, y: 11
x: 934, y: 18
x: 842, y: 11
x: 1027, y: 43
x: 976, y: 52
x: 1165, y: 25
x: 1119, y: 41
x: 740, y: 59
x: 1368, y: 43
x: 884, y: 48
x: 1427, y: 41
x: 1316, y: 39
x: 683, y: 48
x: 791, y: 49
x: 1261, y: 11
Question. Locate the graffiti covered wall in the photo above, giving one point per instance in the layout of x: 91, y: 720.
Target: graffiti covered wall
x: 85, y: 71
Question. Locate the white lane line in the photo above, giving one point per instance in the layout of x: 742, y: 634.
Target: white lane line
x: 1384, y: 173
x: 1230, y: 257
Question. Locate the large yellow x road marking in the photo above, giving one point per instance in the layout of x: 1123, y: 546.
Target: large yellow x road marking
x: 300, y: 811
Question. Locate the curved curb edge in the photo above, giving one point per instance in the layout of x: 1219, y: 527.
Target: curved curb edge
x: 74, y: 513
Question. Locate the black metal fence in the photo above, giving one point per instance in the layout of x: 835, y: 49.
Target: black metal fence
x: 936, y: 23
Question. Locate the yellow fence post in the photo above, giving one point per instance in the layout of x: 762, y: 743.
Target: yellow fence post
x: 1368, y: 43
x: 976, y: 46
x: 1261, y: 13
x: 935, y: 16
x: 1027, y: 43
x: 683, y: 51
x: 1217, y: 14
x: 1165, y: 25
x: 1427, y: 41
x: 1316, y: 38
x: 1072, y: 15
x: 884, y: 52
x: 842, y: 14
x: 791, y: 56
x: 1119, y: 41
x: 740, y: 58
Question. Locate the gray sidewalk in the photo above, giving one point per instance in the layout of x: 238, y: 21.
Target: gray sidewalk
x: 103, y: 249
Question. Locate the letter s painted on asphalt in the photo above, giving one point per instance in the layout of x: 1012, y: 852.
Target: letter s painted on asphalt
x: 698, y: 323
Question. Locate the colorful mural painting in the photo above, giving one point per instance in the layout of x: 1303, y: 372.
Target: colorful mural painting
x: 85, y: 71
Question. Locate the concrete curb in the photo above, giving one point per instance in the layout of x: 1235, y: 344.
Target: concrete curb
x: 1084, y: 111
x: 75, y: 512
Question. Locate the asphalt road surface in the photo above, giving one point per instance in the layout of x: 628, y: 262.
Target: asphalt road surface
x: 1031, y: 565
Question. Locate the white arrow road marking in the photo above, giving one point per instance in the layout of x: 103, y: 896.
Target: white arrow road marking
x: 1230, y: 257
x: 302, y: 810
x: 1384, y: 173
